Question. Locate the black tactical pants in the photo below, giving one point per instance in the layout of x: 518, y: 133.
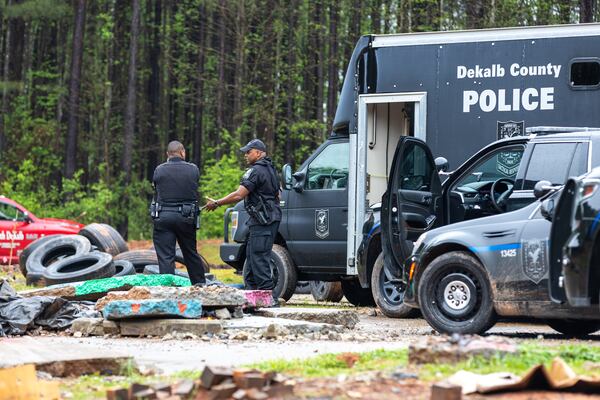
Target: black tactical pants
x: 171, y: 226
x: 257, y: 274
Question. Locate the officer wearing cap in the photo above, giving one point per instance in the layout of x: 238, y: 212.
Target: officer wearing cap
x: 174, y: 212
x: 259, y: 188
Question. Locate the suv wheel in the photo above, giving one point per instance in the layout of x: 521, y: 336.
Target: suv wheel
x: 455, y: 295
x: 326, y: 291
x: 573, y: 327
x: 389, y: 295
x: 356, y: 294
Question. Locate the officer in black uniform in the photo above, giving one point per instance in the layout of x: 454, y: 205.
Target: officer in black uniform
x: 259, y: 188
x: 175, y: 212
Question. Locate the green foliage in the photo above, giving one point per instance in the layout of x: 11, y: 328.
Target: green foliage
x: 218, y: 179
x: 33, y: 9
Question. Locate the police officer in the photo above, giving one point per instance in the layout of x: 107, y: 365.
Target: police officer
x: 259, y: 188
x: 174, y: 212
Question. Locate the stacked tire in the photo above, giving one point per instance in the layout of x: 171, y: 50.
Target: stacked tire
x: 98, y: 251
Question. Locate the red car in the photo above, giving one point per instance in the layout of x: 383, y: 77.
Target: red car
x: 19, y: 227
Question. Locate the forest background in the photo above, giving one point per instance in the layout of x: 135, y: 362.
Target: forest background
x: 92, y: 91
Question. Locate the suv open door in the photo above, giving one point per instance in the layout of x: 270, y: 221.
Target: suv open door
x: 410, y: 204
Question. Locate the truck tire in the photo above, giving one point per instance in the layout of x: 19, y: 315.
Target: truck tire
x: 79, y: 268
x: 56, y: 247
x: 179, y: 258
x: 302, y: 287
x: 326, y: 291
x: 29, y: 249
x: 283, y: 272
x: 105, y: 238
x: 356, y: 294
x: 139, y: 258
x: 124, y: 268
x: 455, y: 295
x: 573, y: 327
x: 388, y: 296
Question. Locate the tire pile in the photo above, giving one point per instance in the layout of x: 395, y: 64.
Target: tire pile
x: 97, y: 251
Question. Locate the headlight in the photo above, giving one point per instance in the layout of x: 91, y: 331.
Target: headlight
x: 419, y: 241
x: 233, y: 224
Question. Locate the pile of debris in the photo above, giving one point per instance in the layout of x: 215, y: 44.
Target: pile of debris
x: 214, y: 383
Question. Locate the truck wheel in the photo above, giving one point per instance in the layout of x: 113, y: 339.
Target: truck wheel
x: 50, y: 250
x: 389, y: 296
x: 81, y: 268
x: 356, y: 294
x: 455, y: 295
x: 105, y: 238
x: 326, y: 291
x: 283, y: 272
x: 29, y: 249
x: 573, y: 327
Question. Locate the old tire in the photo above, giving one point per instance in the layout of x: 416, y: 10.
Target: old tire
x: 573, y: 327
x: 105, y: 238
x: 326, y: 291
x: 356, y: 294
x: 455, y: 295
x: 29, y: 249
x: 80, y: 268
x: 283, y: 272
x: 123, y: 268
x: 389, y: 296
x: 154, y: 270
x: 139, y: 258
x: 51, y: 250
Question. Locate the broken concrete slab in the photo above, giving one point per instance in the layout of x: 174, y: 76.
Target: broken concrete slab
x: 290, y: 326
x: 258, y: 298
x: 210, y: 296
x: 123, y: 309
x: 161, y: 327
x: 97, y: 288
x: 347, y: 318
x: 456, y: 348
x: 222, y: 313
x: 87, y: 366
x: 88, y: 326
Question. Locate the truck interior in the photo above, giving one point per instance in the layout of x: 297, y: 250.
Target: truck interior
x: 387, y: 122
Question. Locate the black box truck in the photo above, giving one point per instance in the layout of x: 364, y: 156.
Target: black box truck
x: 455, y: 91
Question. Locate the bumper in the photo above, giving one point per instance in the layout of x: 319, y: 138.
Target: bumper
x: 233, y: 254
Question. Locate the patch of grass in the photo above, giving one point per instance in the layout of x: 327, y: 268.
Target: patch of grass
x: 227, y: 275
x: 331, y: 365
x: 15, y: 279
x: 209, y: 248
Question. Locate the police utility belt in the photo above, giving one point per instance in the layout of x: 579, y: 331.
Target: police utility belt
x: 187, y: 210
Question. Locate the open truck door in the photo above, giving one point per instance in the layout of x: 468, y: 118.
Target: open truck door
x: 410, y: 202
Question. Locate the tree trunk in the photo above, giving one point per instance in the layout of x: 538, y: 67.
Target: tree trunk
x: 154, y: 92
x: 74, y: 88
x: 586, y: 10
x: 239, y: 64
x: 198, y: 115
x: 475, y: 14
x: 108, y: 95
x: 5, y: 81
x: 332, y: 77
x: 221, y: 78
x: 290, y: 79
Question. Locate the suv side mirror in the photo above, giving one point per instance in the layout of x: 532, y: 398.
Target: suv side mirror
x: 286, y: 174
x: 441, y: 164
x: 299, y: 178
x: 547, y: 208
x: 541, y: 189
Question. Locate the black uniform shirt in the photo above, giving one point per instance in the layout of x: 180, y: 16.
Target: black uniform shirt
x: 176, y: 182
x: 261, y: 180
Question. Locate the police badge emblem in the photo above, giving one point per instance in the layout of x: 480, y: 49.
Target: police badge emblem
x: 508, y: 162
x: 535, y: 261
x: 322, y: 223
x: 508, y: 129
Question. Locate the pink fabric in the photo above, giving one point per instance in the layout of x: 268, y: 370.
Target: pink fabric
x: 258, y: 298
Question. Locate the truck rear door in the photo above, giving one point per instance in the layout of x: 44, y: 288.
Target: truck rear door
x: 410, y: 202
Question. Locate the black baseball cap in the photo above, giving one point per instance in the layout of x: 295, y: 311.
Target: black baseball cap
x: 254, y: 144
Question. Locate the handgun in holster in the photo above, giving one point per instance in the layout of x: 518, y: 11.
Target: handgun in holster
x: 260, y: 212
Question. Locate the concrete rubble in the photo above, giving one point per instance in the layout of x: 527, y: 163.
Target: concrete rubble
x: 456, y: 348
x: 347, y: 318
